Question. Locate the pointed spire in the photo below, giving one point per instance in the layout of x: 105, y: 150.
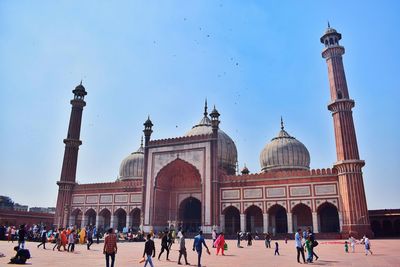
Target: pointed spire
x: 329, y: 24
x: 141, y: 142
x: 205, y: 108
x: 81, y: 82
x: 282, y: 126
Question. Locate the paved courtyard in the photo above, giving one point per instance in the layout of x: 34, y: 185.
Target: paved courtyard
x: 331, y: 253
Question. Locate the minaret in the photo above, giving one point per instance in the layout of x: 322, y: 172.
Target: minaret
x: 68, y: 171
x: 214, y: 166
x: 351, y: 187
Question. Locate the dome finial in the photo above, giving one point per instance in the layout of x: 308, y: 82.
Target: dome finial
x: 329, y: 24
x: 81, y: 82
x: 282, y: 126
x: 205, y: 108
x: 141, y: 142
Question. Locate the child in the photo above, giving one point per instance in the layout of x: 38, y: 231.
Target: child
x: 309, y: 251
x: 276, y: 248
x: 346, y: 247
x: 367, y: 246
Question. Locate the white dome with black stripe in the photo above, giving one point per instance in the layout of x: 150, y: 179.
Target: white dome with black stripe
x: 284, y: 152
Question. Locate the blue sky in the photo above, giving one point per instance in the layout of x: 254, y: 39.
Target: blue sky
x: 255, y: 60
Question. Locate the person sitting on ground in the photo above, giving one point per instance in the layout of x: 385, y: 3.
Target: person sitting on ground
x: 21, y: 256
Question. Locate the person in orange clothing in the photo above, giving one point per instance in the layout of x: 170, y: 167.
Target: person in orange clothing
x: 64, y: 239
x: 219, y: 243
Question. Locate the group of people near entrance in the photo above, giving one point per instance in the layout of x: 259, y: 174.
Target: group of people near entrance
x: 305, y: 243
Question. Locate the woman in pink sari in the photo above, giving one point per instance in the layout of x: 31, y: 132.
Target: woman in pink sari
x: 219, y: 243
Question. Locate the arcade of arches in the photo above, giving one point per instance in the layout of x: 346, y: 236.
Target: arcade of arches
x: 177, y: 199
x: 104, y: 219
x: 278, y: 221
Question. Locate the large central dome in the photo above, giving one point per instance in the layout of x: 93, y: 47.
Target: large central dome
x: 284, y: 152
x: 227, y: 153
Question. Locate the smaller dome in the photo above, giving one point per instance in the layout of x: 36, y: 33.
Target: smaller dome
x: 133, y: 165
x: 284, y: 152
x: 245, y: 170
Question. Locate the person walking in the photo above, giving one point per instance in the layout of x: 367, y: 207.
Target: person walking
x: 198, y: 246
x: 164, y: 245
x: 249, y: 239
x: 299, y: 246
x: 43, y: 236
x: 220, y: 243
x: 149, y: 251
x: 21, y: 236
x: 276, y: 248
x: 170, y: 239
x: 71, y: 241
x: 110, y: 247
x: 314, y: 243
x: 58, y: 240
x: 10, y: 235
x: 308, y: 246
x: 89, y: 235
x: 214, y: 237
x: 64, y: 239
x: 367, y: 244
x: 182, y: 249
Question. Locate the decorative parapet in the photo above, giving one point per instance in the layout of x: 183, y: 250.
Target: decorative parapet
x: 137, y: 183
x: 280, y: 174
x: 182, y: 139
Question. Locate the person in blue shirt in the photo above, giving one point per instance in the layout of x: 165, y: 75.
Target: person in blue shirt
x: 198, y: 245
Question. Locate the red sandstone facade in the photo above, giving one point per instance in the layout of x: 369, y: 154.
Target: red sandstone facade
x: 191, y: 182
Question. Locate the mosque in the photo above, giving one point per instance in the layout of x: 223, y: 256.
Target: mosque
x: 192, y: 181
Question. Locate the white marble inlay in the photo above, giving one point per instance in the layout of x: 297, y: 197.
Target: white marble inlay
x: 230, y: 194
x: 276, y: 192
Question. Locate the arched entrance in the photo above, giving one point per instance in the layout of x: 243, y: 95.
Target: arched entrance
x: 302, y: 217
x: 387, y: 228
x: 277, y: 220
x: 120, y: 216
x: 190, y: 214
x: 232, y: 220
x: 376, y: 228
x: 91, y: 217
x: 135, y: 219
x: 77, y: 216
x: 328, y: 218
x: 176, y: 181
x: 104, y: 219
x: 254, y: 220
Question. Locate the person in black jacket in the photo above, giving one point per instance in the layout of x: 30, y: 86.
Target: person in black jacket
x: 149, y: 251
x: 21, y: 236
x: 164, y: 245
x: 43, y: 236
x: 21, y: 256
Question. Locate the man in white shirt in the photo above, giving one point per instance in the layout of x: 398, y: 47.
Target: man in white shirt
x: 299, y: 246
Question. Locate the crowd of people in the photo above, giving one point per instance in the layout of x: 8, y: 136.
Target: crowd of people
x: 64, y: 239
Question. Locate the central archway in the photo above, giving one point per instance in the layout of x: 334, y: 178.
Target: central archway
x: 176, y: 181
x: 190, y: 214
x: 278, y: 219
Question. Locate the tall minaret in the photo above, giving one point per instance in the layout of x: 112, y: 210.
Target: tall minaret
x: 68, y: 171
x: 351, y: 187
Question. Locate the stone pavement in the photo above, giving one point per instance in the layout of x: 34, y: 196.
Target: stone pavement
x: 331, y: 253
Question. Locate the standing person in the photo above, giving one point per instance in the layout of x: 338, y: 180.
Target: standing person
x: 182, y: 249
x: 89, y: 235
x: 299, y: 246
x: 276, y: 248
x: 214, y: 237
x: 149, y: 251
x: 220, y: 243
x: 82, y: 236
x: 346, y: 246
x: 308, y: 246
x: 198, y: 245
x: 267, y: 240
x: 43, y: 236
x: 95, y: 233
x: 238, y: 236
x: 21, y: 236
x: 179, y: 235
x: 164, y: 245
x: 10, y: 235
x: 314, y: 243
x: 110, y: 247
x: 249, y: 239
x: 367, y: 245
x: 352, y: 241
x: 71, y: 241
x: 170, y: 239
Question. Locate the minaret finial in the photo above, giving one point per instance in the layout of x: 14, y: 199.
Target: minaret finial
x: 81, y: 82
x: 329, y: 24
x: 282, y: 127
x: 141, y: 142
x: 205, y: 108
